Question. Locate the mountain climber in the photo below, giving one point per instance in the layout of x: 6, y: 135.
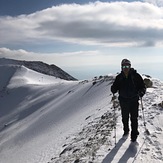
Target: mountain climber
x: 130, y: 86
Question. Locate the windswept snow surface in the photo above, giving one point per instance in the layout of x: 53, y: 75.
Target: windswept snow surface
x: 44, y: 119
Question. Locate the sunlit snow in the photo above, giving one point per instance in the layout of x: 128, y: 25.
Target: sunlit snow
x: 44, y: 119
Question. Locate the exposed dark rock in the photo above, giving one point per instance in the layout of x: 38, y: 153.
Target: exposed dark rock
x: 148, y: 83
x: 40, y: 67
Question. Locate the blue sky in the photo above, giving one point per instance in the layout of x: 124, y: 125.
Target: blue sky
x: 17, y: 7
x: 85, y: 38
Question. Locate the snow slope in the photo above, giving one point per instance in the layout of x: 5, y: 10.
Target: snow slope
x: 40, y: 67
x: 46, y: 119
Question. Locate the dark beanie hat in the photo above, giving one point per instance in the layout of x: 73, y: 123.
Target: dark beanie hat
x: 125, y: 61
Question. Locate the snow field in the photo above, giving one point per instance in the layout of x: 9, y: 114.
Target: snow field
x: 44, y: 119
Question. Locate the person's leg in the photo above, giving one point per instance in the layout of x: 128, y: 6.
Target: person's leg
x: 134, y: 119
x: 125, y: 117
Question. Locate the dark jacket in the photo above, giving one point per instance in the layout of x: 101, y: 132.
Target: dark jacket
x: 128, y: 88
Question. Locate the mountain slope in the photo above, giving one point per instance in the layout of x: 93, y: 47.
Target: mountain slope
x: 41, y: 67
x: 45, y: 119
x: 96, y: 141
x: 33, y: 113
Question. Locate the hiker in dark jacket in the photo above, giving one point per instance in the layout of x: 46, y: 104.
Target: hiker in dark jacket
x: 130, y: 86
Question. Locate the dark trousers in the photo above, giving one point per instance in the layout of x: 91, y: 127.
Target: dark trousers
x: 129, y: 109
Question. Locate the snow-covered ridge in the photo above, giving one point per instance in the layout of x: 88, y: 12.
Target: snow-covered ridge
x: 38, y: 66
x: 16, y: 76
x: 44, y: 119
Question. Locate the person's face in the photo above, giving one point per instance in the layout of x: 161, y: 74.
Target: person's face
x: 126, y: 68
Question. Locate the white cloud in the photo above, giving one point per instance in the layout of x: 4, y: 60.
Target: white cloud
x: 73, y: 59
x: 155, y: 2
x: 107, y: 24
x: 5, y: 52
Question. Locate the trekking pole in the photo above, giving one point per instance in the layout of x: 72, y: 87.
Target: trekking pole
x: 146, y: 130
x: 113, y: 99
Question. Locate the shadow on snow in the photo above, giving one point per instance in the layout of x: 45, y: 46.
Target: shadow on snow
x: 130, y: 152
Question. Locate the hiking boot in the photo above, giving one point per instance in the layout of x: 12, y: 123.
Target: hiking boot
x: 126, y: 133
x: 134, y: 135
x: 133, y: 139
